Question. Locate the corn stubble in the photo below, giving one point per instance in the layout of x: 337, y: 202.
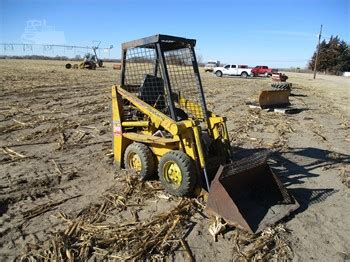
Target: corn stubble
x: 95, y: 234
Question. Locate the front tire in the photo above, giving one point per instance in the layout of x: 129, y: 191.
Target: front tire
x: 218, y: 73
x: 177, y: 173
x: 139, y: 157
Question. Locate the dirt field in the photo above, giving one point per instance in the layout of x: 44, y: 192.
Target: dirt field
x: 56, y: 156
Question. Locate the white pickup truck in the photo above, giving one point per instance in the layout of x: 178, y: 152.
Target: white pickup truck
x: 233, y: 70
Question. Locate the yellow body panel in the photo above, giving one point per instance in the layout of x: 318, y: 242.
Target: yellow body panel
x: 186, y: 134
x: 160, y: 150
x: 119, y: 144
x: 135, y: 123
x: 218, y: 127
x: 191, y: 107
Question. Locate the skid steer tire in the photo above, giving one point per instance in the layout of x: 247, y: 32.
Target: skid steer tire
x: 177, y: 173
x: 140, y: 158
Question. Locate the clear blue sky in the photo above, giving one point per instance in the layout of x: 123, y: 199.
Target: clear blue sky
x: 276, y: 33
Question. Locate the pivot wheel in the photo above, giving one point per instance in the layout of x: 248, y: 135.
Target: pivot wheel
x: 177, y: 173
x: 139, y: 158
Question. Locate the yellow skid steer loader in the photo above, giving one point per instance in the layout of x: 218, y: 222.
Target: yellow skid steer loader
x: 161, y: 125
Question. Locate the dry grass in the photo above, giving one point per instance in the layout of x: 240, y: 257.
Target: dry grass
x: 94, y: 232
x: 271, y: 245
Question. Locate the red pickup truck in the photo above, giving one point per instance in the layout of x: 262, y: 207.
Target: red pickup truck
x: 263, y: 70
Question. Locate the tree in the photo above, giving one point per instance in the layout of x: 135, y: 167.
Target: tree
x: 333, y: 56
x: 343, y: 62
x: 200, y: 60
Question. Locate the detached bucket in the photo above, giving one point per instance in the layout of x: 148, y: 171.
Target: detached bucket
x: 274, y: 98
x: 247, y: 194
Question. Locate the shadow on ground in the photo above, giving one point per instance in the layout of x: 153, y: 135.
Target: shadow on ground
x: 292, y: 172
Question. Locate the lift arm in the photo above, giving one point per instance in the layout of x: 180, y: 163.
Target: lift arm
x: 157, y: 117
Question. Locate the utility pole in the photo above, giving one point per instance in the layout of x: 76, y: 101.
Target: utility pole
x: 318, y: 51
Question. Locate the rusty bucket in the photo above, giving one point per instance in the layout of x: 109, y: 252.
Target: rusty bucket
x: 274, y: 98
x: 248, y: 195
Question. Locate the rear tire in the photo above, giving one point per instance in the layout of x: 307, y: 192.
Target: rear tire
x: 244, y: 74
x: 68, y: 66
x: 218, y: 73
x: 177, y: 173
x: 140, y: 158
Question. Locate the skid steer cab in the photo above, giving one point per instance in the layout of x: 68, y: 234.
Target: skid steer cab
x: 161, y: 126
